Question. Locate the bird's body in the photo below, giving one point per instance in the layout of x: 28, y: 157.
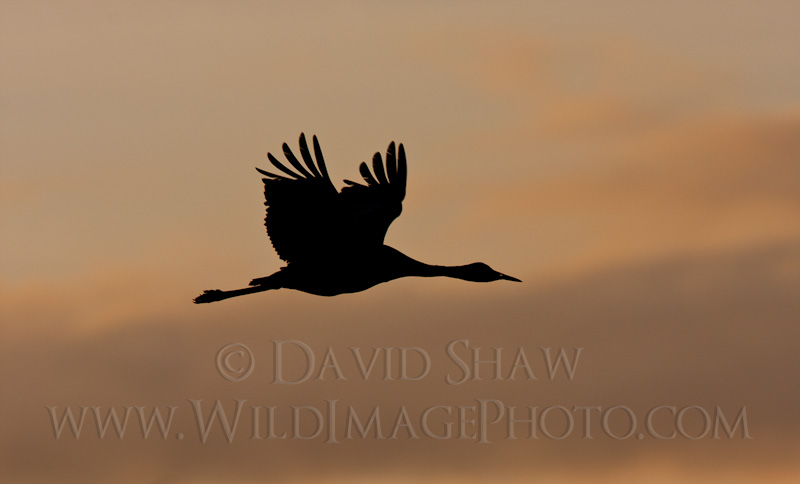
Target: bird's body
x: 333, y: 241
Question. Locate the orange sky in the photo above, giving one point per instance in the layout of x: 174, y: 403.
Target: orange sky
x: 636, y: 164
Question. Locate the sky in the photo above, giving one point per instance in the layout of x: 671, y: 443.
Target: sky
x: 634, y: 163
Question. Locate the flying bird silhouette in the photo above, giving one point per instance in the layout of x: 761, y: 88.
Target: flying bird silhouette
x: 333, y: 241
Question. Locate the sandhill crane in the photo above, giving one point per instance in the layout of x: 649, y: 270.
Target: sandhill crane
x: 332, y: 240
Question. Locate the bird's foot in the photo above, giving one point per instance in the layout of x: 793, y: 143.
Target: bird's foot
x: 208, y: 296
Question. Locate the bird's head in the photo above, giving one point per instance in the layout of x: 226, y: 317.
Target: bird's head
x: 480, y: 272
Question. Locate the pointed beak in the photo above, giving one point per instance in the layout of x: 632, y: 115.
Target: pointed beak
x: 508, y: 278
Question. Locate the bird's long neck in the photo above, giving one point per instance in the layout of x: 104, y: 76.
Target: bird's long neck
x: 456, y: 272
x: 406, y: 266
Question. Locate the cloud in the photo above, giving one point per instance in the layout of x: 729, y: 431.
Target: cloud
x: 645, y: 190
x: 707, y: 330
x: 710, y: 185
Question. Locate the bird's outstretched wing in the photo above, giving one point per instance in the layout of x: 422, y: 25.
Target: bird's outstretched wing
x: 300, y: 203
x: 371, y: 208
x: 307, y: 219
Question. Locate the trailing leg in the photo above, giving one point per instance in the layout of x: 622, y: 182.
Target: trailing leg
x: 256, y: 285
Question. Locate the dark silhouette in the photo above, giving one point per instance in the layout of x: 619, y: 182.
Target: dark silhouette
x: 333, y: 241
